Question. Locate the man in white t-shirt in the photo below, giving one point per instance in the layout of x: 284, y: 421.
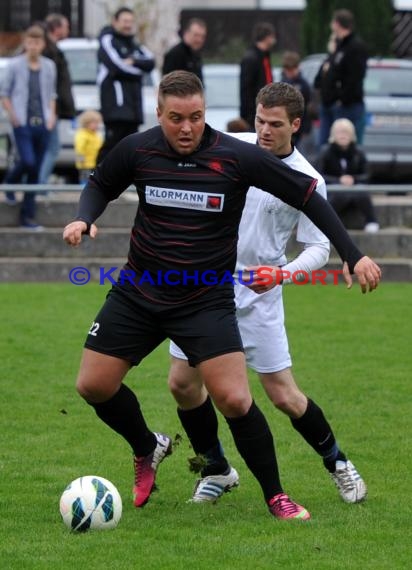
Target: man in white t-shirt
x: 265, y: 228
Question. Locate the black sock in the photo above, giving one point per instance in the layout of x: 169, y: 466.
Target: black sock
x: 122, y: 413
x: 201, y: 426
x: 255, y: 444
x: 316, y: 431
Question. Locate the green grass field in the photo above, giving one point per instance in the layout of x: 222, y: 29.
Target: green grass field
x: 352, y: 354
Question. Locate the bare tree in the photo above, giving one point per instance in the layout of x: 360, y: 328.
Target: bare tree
x: 158, y: 24
x: 157, y: 21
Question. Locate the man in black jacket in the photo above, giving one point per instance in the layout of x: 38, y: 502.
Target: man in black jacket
x: 122, y: 63
x: 341, y: 82
x: 256, y: 69
x: 57, y: 28
x: 186, y: 55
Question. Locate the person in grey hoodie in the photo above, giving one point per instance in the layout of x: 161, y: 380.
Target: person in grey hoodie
x: 29, y: 97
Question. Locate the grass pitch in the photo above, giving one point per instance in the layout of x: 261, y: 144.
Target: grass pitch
x: 352, y: 355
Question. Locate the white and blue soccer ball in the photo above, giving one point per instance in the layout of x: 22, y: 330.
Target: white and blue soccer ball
x: 90, y: 502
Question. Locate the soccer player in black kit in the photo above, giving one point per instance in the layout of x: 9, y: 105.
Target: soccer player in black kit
x: 191, y: 181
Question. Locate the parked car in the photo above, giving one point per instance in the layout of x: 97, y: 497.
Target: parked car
x: 81, y: 55
x: 222, y: 92
x: 388, y: 132
x: 81, y: 58
x: 388, y: 101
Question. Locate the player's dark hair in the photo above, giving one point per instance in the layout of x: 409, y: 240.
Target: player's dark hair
x: 344, y: 18
x: 54, y: 21
x: 262, y: 30
x: 193, y: 21
x: 282, y: 94
x: 120, y: 11
x: 179, y: 83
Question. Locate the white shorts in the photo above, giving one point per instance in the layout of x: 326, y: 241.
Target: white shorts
x: 262, y: 328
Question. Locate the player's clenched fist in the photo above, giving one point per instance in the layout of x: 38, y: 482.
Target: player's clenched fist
x: 73, y: 232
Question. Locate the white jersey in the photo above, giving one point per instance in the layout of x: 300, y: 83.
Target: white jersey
x: 266, y: 225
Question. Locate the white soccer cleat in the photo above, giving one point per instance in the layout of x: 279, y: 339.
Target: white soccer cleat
x: 350, y: 484
x: 210, y: 488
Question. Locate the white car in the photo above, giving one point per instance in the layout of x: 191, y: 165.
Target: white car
x: 222, y: 83
x: 387, y: 139
x: 222, y: 93
x: 81, y: 55
x: 5, y: 127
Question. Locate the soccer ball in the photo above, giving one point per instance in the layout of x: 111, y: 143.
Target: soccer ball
x: 90, y: 502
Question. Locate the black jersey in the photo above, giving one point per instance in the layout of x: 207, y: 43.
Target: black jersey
x: 189, y: 208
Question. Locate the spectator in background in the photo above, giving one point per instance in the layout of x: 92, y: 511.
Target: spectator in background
x: 87, y: 143
x: 291, y: 74
x: 122, y: 64
x: 342, y: 162
x: 29, y: 98
x: 256, y: 69
x: 344, y: 75
x: 57, y: 28
x: 325, y: 85
x: 186, y: 54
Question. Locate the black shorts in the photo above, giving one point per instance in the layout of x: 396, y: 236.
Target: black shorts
x: 130, y: 327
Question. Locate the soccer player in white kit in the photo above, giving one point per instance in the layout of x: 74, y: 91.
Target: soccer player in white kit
x: 265, y: 228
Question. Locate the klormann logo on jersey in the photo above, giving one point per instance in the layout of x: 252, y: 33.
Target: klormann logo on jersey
x: 188, y: 199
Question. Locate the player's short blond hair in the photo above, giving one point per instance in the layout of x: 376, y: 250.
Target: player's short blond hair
x: 87, y: 117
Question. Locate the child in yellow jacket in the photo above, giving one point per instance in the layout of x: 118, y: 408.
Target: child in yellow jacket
x: 87, y: 142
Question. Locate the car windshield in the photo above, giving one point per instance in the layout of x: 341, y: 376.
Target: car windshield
x: 82, y: 65
x: 221, y: 90
x: 384, y: 81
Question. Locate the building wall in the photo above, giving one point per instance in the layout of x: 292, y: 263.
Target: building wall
x: 229, y: 31
x: 157, y: 21
x: 244, y: 4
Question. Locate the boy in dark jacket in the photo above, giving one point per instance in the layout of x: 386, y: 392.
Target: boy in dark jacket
x: 291, y: 74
